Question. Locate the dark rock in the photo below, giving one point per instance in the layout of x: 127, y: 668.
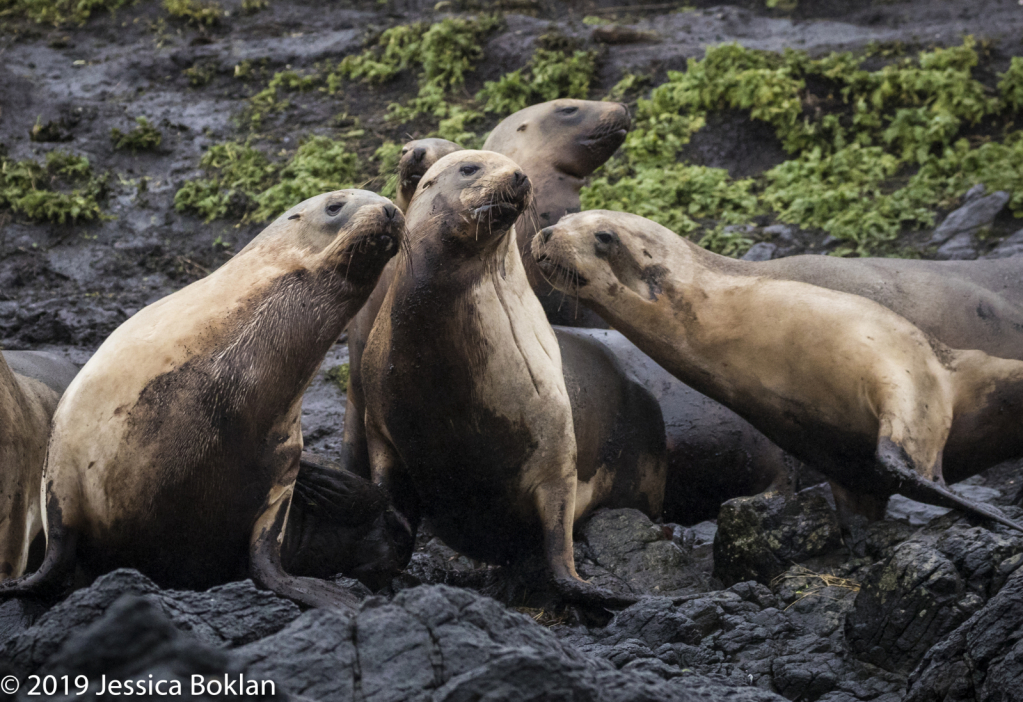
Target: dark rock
x: 906, y: 605
x: 131, y: 641
x: 1008, y: 247
x: 643, y: 555
x: 760, y: 251
x: 18, y: 615
x: 759, y: 536
x: 229, y: 615
x: 961, y: 247
x: 438, y: 642
x: 982, y: 660
x: 969, y: 218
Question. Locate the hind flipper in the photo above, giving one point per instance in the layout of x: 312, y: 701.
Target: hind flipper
x: 53, y: 576
x: 265, y: 561
x: 898, y: 468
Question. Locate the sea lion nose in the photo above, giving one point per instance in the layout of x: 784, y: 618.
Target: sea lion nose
x: 418, y: 153
x: 390, y: 211
x: 519, y: 179
x: 546, y: 234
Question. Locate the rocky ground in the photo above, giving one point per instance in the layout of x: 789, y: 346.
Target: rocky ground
x: 769, y: 600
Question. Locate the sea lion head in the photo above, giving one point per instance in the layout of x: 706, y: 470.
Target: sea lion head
x: 355, y: 232
x: 417, y: 156
x: 474, y: 196
x: 599, y: 255
x: 578, y: 136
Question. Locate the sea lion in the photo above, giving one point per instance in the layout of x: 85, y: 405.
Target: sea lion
x: 839, y: 381
x: 712, y: 453
x: 1003, y: 276
x: 50, y: 369
x: 175, y: 449
x: 26, y: 407
x: 957, y: 312
x: 557, y: 144
x: 468, y: 418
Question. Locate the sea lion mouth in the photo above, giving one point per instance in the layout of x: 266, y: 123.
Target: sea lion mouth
x: 556, y: 272
x: 497, y: 213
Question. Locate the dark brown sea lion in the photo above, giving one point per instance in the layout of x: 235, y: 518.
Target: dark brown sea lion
x: 837, y: 380
x: 175, y: 449
x: 468, y: 417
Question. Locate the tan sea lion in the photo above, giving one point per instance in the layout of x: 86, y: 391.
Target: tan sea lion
x: 468, y: 417
x: 26, y: 407
x: 1003, y: 276
x: 557, y: 144
x: 839, y: 381
x: 31, y: 383
x: 175, y: 449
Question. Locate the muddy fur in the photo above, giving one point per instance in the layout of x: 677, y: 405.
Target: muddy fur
x: 837, y: 380
x: 176, y: 448
x: 468, y: 417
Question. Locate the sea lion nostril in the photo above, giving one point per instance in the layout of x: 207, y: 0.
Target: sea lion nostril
x: 418, y: 153
x: 546, y: 234
x: 519, y: 179
x: 390, y: 211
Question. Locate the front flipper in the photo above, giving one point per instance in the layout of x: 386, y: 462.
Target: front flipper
x: 265, y: 561
x: 898, y: 469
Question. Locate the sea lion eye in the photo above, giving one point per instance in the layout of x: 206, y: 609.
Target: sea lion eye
x: 468, y: 170
x: 568, y: 110
x: 605, y: 240
x: 404, y: 151
x: 334, y: 207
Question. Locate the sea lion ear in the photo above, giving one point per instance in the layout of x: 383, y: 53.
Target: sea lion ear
x: 522, y: 127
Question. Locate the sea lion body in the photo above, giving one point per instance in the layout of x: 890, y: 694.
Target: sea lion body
x: 712, y: 453
x: 468, y: 417
x: 26, y: 407
x: 175, y: 449
x: 839, y: 381
x: 557, y: 144
x: 957, y: 312
x: 1002, y: 276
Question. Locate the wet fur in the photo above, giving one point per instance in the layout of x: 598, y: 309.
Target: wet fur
x: 877, y: 421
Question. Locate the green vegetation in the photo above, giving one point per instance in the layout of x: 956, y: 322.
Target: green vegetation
x: 202, y: 13
x: 388, y: 156
x: 63, y: 189
x: 339, y: 375
x: 872, y: 151
x: 56, y: 12
x: 270, y: 99
x: 200, y: 73
x: 144, y: 137
x: 550, y: 75
x: 253, y: 6
x: 242, y: 182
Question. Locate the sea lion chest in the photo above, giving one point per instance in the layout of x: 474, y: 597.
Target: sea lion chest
x: 474, y: 398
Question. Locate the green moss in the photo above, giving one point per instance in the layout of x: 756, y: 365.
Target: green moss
x: 61, y: 190
x: 339, y: 375
x: 550, y: 75
x: 235, y: 175
x: 873, y: 152
x: 320, y: 165
x: 388, y: 156
x: 200, y: 74
x: 270, y: 100
x: 202, y: 13
x: 56, y: 12
x: 144, y: 137
x: 253, y: 6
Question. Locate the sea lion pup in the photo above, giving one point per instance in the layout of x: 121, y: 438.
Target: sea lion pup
x: 26, y: 406
x: 841, y: 382
x: 468, y: 417
x: 558, y: 144
x: 175, y: 449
